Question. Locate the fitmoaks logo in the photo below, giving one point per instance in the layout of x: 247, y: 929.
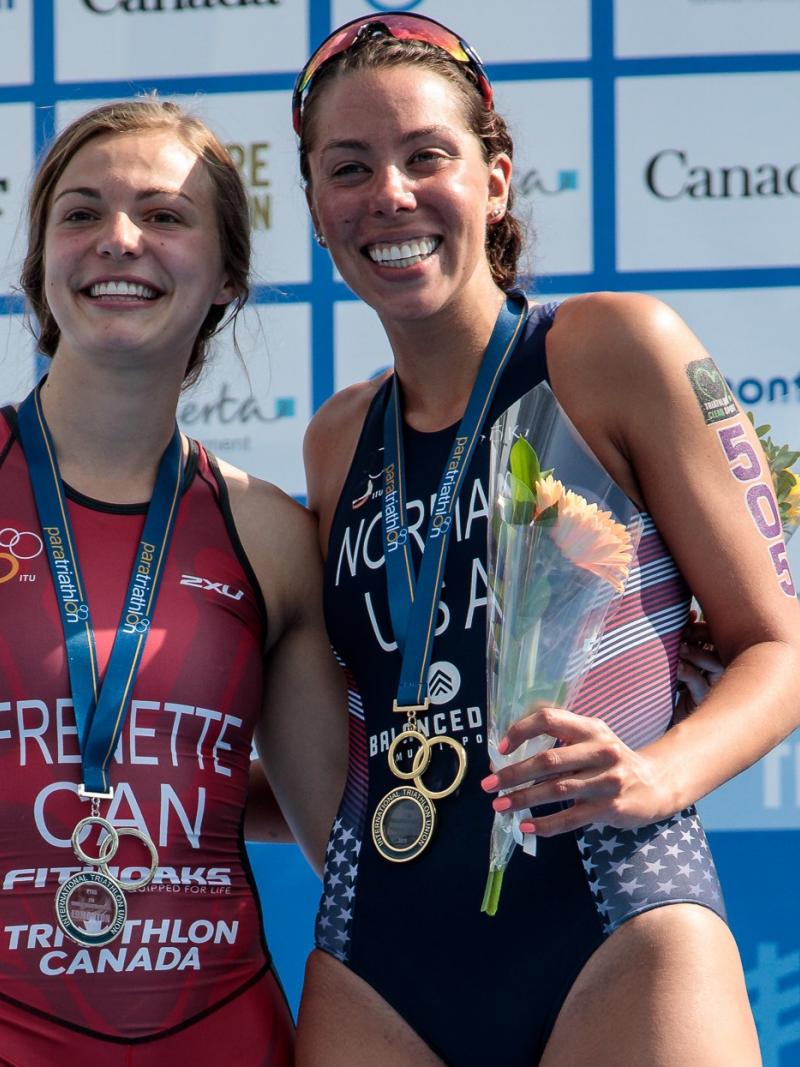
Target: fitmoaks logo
x: 670, y: 175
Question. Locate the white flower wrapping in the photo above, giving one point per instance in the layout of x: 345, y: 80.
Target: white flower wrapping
x: 556, y: 565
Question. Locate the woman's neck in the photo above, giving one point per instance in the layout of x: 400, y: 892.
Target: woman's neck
x: 110, y: 428
x: 437, y: 363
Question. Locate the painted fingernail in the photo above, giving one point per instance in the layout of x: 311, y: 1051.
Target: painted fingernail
x: 501, y: 804
x: 490, y: 783
x: 504, y: 746
x: 527, y: 827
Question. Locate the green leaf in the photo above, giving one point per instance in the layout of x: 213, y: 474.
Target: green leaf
x: 524, y: 463
x: 522, y: 500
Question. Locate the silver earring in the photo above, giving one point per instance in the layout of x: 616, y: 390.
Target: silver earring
x: 496, y: 213
x: 320, y: 239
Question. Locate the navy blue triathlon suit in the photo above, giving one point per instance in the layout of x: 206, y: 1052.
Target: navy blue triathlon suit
x: 414, y: 931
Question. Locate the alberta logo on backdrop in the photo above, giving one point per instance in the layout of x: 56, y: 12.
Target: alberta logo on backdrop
x: 532, y: 182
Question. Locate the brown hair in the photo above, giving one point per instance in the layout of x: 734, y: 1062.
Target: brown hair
x: 142, y: 115
x: 503, y: 238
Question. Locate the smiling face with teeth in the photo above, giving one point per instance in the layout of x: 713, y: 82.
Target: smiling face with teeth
x: 132, y: 251
x: 402, y: 193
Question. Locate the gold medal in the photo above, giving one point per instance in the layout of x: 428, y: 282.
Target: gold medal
x: 404, y: 821
x: 403, y: 824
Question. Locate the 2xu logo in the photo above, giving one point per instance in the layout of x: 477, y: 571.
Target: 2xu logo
x: 211, y: 587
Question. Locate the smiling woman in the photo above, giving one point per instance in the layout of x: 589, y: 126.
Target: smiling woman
x: 165, y: 606
x: 610, y: 945
x: 180, y: 135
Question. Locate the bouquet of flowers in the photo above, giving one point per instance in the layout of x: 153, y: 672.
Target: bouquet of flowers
x: 557, y: 560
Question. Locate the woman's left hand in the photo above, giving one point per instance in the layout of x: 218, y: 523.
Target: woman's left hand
x: 604, y: 780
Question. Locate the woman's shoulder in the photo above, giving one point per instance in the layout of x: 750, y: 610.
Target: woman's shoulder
x: 611, y: 331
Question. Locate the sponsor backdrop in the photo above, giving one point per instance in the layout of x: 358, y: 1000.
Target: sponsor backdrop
x: 657, y: 150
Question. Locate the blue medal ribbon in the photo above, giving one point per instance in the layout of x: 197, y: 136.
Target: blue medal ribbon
x: 414, y: 602
x: 100, y: 707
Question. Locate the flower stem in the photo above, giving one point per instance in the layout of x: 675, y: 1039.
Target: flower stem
x: 491, y: 895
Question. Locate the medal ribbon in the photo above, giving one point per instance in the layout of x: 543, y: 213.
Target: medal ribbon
x: 414, y: 602
x: 100, y: 708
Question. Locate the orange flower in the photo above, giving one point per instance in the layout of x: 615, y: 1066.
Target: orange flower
x: 590, y: 538
x: 548, y: 491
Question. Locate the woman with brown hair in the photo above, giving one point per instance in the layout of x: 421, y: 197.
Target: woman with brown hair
x: 408, y: 170
x: 156, y: 603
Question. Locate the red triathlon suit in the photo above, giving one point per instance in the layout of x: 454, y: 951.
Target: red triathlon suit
x: 190, y: 974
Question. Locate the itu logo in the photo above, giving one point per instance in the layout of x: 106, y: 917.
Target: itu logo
x: 3, y: 181
x: 398, y: 5
x: 16, y: 546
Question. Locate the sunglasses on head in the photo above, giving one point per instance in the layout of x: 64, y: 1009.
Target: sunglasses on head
x: 402, y: 28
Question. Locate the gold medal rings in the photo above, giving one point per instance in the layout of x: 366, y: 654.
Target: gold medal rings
x: 91, y: 906
x: 109, y: 847
x: 405, y: 819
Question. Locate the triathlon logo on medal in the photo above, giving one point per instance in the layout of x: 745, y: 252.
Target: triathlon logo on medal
x: 91, y: 908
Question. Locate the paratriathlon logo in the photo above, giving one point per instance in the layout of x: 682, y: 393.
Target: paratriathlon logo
x: 17, y: 546
x: 444, y: 682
